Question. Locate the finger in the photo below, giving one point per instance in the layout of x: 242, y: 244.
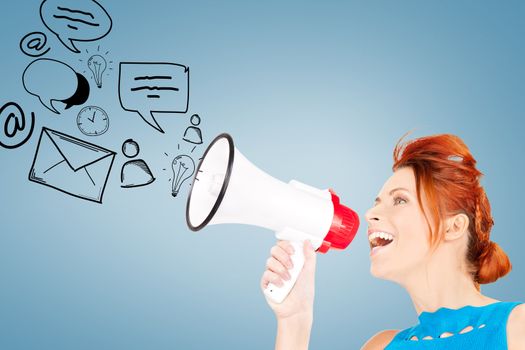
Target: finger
x: 282, y: 256
x: 309, y: 251
x: 287, y: 246
x: 275, y: 265
x: 310, y: 256
x: 270, y: 277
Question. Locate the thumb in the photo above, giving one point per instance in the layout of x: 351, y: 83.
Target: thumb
x: 310, y: 256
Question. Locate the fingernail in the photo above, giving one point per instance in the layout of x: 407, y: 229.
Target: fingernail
x: 290, y: 250
x: 289, y: 264
x: 287, y: 276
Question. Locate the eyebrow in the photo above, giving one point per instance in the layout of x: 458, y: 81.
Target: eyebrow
x: 377, y: 200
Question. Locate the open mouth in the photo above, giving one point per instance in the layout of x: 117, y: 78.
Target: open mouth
x: 380, y: 239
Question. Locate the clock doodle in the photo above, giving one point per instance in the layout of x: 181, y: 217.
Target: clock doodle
x: 93, y: 121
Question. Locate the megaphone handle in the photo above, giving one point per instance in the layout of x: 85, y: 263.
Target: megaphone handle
x: 278, y: 294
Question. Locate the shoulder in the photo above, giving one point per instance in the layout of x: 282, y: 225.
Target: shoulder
x: 380, y: 340
x: 516, y: 328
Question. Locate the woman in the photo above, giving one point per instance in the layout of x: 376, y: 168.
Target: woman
x: 429, y: 232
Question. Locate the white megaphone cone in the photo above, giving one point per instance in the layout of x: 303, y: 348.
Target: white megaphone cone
x: 227, y: 188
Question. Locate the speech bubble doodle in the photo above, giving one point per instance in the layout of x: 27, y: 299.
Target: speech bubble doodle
x: 51, y: 80
x: 154, y: 87
x: 75, y: 20
x: 34, y: 44
x: 15, y: 123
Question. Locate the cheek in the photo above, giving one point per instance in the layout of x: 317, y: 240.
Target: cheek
x: 413, y: 230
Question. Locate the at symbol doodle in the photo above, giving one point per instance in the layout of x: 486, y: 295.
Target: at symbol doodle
x: 14, y: 123
x: 34, y: 44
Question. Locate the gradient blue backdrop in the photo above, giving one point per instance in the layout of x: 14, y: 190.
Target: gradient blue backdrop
x: 319, y: 92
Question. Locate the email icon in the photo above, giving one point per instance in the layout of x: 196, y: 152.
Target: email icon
x: 70, y: 165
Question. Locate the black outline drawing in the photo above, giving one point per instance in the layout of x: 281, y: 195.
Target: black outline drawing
x: 34, y: 41
x: 73, y: 169
x: 79, y: 97
x: 156, y: 79
x: 172, y: 171
x: 193, y: 128
x: 87, y: 110
x: 97, y: 65
x: 17, y: 127
x: 178, y: 177
x: 126, y: 144
x: 137, y: 163
x: 108, y: 68
x: 85, y: 18
x: 225, y: 183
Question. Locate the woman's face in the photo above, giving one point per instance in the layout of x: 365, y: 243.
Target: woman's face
x: 396, y: 212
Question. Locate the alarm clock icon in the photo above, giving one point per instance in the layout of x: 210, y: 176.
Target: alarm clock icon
x: 92, y: 121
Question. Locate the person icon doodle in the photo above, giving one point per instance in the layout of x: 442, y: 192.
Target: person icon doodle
x: 193, y: 134
x: 134, y: 173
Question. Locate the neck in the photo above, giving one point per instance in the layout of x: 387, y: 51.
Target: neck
x: 440, y: 282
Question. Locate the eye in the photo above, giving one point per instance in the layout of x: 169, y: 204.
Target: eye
x: 399, y: 200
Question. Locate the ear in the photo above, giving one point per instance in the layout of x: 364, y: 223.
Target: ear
x: 456, y: 226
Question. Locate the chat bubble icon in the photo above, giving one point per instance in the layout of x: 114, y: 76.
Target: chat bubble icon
x: 75, y: 20
x: 51, y: 80
x: 151, y: 87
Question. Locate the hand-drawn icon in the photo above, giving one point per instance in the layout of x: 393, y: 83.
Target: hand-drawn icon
x: 193, y: 134
x: 75, y: 20
x: 92, y: 121
x: 70, y: 165
x: 34, y: 44
x: 148, y: 88
x: 183, y: 168
x: 52, y: 80
x: 175, y: 187
x: 98, y: 64
x: 15, y: 115
x: 134, y: 173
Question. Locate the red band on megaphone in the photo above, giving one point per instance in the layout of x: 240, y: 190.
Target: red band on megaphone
x: 343, y: 229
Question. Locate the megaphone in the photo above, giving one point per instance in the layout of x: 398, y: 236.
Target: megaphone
x: 228, y: 188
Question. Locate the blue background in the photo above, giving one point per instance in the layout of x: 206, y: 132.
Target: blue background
x: 318, y: 92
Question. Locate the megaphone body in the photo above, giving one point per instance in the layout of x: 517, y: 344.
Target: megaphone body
x: 228, y: 188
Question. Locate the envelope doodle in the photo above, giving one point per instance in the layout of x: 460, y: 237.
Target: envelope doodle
x: 72, y: 166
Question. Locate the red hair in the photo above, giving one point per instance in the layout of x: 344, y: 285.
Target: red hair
x: 446, y: 172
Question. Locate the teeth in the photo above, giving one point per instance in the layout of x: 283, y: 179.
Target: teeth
x: 383, y: 235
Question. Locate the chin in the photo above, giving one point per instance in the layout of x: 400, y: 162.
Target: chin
x: 381, y: 271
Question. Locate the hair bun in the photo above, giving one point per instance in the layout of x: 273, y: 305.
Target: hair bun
x: 493, y: 263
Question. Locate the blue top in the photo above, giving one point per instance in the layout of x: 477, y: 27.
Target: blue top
x: 488, y: 328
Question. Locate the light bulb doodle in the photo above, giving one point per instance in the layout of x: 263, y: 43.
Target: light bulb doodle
x: 97, y: 65
x: 183, y: 168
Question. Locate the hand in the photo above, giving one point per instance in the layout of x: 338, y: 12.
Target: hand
x: 299, y: 303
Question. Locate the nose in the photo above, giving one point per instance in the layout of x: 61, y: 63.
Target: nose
x: 372, y: 215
